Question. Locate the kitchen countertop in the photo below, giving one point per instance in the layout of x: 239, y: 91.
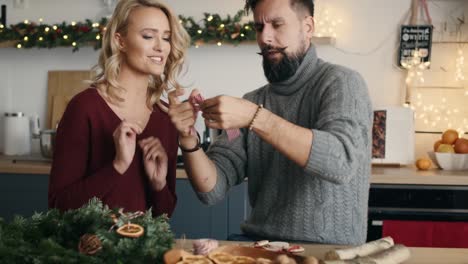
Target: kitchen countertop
x: 380, y: 175
x: 418, y: 255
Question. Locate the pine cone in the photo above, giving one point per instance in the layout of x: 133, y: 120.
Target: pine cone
x: 89, y: 244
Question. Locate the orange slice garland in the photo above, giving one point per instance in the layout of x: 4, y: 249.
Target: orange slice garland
x: 131, y: 230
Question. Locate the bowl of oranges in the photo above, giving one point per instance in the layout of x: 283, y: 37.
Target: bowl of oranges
x: 451, y: 151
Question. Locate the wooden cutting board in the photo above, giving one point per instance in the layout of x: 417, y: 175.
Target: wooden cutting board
x: 62, y: 86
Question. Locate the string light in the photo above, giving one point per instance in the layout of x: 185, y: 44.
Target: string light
x: 199, y: 31
x: 73, y: 23
x: 55, y: 27
x: 459, y: 65
x: 98, y: 37
x: 26, y: 38
x: 41, y: 20
x: 47, y: 29
x: 327, y: 24
x: 95, y: 25
x: 74, y: 44
x: 209, y: 18
x: 65, y: 36
x: 18, y: 46
x: 41, y: 38
x: 415, y: 66
x: 26, y: 22
x: 219, y: 43
x: 440, y: 116
x: 2, y: 26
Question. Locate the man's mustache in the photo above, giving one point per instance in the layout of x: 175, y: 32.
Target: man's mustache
x: 264, y: 51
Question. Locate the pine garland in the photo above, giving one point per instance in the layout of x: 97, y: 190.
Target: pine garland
x: 211, y: 29
x: 53, y: 237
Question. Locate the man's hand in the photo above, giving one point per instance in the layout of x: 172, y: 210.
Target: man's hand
x: 226, y: 112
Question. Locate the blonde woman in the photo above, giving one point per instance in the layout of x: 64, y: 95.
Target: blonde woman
x: 115, y: 140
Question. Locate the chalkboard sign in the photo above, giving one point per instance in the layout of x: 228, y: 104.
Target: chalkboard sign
x: 412, y: 38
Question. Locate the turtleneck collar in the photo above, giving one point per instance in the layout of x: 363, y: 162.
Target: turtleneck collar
x: 298, y: 80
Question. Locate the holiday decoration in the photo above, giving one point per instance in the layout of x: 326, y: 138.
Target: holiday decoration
x: 89, y: 244
x: 211, y: 29
x: 83, y: 236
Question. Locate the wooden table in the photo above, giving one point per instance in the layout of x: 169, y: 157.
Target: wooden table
x: 418, y: 255
x: 380, y: 175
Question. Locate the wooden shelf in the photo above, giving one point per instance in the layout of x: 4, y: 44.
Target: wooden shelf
x: 319, y: 41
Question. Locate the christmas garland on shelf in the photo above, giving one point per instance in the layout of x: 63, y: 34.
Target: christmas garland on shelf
x: 211, y: 29
x: 90, y: 234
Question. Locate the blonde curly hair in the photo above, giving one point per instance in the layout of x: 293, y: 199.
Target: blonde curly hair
x: 110, y: 58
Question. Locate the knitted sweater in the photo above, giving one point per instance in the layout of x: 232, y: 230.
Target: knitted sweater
x: 325, y: 202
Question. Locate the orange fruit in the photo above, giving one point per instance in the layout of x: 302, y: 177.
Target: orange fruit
x: 131, y: 230
x: 461, y: 146
x: 437, y: 144
x: 449, y: 136
x: 423, y: 163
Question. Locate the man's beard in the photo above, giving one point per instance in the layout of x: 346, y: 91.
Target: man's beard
x: 285, y: 68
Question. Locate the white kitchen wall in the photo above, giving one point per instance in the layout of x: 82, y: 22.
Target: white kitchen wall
x: 366, y: 42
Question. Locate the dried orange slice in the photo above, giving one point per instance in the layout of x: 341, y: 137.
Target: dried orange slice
x: 244, y: 260
x: 131, y: 230
x: 195, y: 260
x: 222, y: 258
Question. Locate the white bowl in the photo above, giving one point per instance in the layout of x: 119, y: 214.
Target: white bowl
x: 451, y: 161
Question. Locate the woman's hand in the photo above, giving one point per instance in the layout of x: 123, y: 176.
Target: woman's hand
x: 155, y: 162
x: 183, y: 117
x: 125, y: 144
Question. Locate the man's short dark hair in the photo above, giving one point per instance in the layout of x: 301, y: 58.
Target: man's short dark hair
x: 299, y: 5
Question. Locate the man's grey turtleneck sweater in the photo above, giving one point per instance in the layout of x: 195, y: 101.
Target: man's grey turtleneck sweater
x: 326, y: 201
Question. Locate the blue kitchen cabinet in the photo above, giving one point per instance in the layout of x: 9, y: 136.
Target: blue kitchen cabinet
x: 193, y: 219
x: 25, y: 194
x: 22, y: 194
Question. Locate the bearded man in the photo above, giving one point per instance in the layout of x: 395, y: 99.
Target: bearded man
x: 304, y: 143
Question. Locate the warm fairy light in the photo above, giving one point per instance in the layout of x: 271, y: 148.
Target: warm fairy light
x: 73, y: 23
x: 41, y: 38
x: 19, y: 46
x: 242, y: 35
x: 415, y: 66
x: 209, y: 18
x: 98, y: 37
x: 459, y: 66
x: 41, y: 20
x: 199, y: 31
x: 327, y: 24
x: 46, y: 29
x: 1, y: 26
x: 25, y: 38
x: 74, y: 44
x: 221, y: 26
x: 95, y: 25
x: 55, y: 27
x: 247, y: 28
x: 219, y: 43
x: 65, y: 36
x: 26, y: 21
x: 439, y: 116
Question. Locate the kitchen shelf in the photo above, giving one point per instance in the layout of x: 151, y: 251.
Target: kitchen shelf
x: 319, y: 41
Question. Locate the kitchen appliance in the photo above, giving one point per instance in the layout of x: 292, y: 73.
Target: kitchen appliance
x: 47, y: 142
x: 17, y: 140
x: 393, y: 136
x: 428, y: 203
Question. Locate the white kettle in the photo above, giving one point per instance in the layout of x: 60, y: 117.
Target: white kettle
x: 17, y: 139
